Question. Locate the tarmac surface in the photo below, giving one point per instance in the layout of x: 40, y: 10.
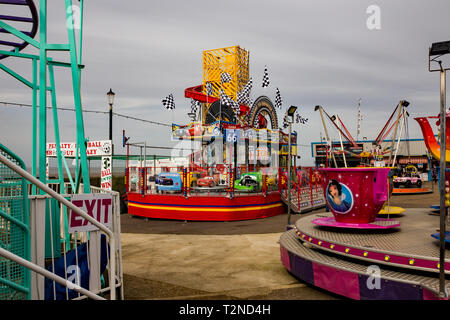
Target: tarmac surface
x: 240, y: 260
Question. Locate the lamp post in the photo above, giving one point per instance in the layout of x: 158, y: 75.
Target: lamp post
x: 290, y: 118
x: 110, y: 94
x: 437, y: 50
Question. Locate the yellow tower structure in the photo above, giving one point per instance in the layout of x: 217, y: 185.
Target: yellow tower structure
x: 232, y: 60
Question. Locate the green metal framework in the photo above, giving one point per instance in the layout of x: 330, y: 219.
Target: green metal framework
x: 14, y: 230
x: 43, y: 69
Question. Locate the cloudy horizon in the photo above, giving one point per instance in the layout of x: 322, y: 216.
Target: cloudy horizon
x: 317, y: 53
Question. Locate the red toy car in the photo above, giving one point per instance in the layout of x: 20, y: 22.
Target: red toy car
x: 207, y: 181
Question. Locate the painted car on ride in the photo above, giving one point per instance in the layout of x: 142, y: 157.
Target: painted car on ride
x: 409, y: 178
x: 208, y: 181
x: 249, y: 181
x: 168, y: 182
x: 408, y: 182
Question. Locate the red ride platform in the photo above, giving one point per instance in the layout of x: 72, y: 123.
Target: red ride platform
x: 205, y: 208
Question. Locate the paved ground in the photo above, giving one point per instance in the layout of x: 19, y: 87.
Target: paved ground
x: 218, y: 260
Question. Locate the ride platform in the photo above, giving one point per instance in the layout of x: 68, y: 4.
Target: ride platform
x: 391, y: 210
x: 341, y: 260
x: 205, y: 206
x: 379, y: 223
x: 409, y: 191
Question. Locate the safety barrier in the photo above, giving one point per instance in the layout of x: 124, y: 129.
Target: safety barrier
x: 80, y: 265
x: 306, y: 183
x: 217, y: 180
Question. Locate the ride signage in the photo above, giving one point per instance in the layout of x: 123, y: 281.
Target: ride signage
x: 97, y: 205
x: 69, y: 149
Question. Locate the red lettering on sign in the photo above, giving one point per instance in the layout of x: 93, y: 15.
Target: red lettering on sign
x: 75, y: 219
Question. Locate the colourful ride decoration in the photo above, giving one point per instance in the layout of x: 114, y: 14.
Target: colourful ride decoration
x: 233, y: 61
x: 240, y: 156
x: 429, y: 138
x: 355, y: 195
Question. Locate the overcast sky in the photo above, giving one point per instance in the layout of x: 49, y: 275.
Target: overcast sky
x: 317, y: 52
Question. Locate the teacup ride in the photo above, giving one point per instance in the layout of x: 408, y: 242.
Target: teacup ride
x: 355, y: 196
x: 387, y: 209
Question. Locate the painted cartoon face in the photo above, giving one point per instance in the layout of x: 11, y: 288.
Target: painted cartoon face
x: 333, y: 191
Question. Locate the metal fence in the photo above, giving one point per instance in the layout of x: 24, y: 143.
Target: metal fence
x: 65, y: 265
x: 82, y: 258
x: 14, y: 230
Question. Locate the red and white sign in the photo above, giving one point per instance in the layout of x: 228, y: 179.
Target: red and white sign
x: 69, y: 149
x: 98, y: 205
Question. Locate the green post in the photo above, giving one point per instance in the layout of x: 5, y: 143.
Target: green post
x: 42, y: 90
x: 81, y: 141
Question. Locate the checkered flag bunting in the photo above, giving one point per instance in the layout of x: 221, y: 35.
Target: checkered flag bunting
x: 209, y: 89
x: 266, y: 81
x: 225, y: 77
x: 168, y: 102
x: 226, y: 100
x: 300, y: 119
x: 278, y: 100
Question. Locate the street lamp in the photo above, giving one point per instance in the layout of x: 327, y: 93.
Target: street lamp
x: 110, y: 94
x: 290, y: 119
x: 437, y: 50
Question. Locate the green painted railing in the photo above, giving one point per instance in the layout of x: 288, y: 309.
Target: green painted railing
x: 15, y: 280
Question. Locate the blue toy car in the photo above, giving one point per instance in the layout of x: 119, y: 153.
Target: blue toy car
x: 169, y: 182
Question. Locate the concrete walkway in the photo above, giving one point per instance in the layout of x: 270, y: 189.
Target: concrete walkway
x: 208, y: 267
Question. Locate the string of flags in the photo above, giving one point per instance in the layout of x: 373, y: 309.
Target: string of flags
x: 169, y: 102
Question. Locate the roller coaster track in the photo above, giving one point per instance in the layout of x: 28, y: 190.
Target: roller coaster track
x: 21, y: 20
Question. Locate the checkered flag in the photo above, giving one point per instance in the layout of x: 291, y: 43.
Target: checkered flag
x: 225, y: 77
x: 226, y: 100
x: 278, y: 100
x: 266, y: 81
x: 168, y: 102
x: 243, y: 96
x: 209, y: 89
x: 300, y: 119
x: 285, y: 122
x: 195, y: 105
x: 245, y: 100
